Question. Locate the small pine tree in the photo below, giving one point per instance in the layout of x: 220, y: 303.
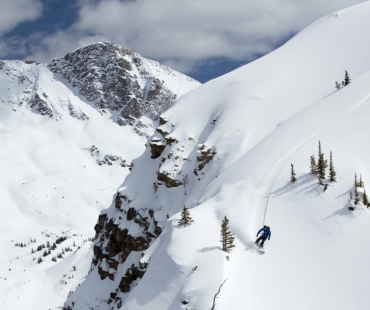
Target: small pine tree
x: 322, y: 165
x: 320, y: 152
x: 357, y: 196
x: 347, y: 79
x: 365, y: 200
x: 227, y: 238
x: 361, y: 183
x: 293, y: 178
x: 337, y: 85
x: 313, y: 167
x: 356, y: 182
x: 185, y: 217
x: 332, y: 173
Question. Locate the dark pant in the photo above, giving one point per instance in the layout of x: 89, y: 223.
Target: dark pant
x: 262, y: 239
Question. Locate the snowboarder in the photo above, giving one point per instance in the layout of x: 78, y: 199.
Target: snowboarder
x: 266, y: 233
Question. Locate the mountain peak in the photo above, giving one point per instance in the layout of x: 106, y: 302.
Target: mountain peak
x: 120, y: 81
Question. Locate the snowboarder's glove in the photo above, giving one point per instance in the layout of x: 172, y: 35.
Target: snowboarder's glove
x: 269, y: 238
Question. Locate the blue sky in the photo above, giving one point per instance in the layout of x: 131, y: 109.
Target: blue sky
x: 201, y: 38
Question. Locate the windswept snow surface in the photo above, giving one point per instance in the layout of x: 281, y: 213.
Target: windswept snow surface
x: 260, y: 119
x: 51, y: 185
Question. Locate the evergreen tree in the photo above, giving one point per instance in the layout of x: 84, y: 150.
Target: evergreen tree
x: 361, y: 183
x: 313, y: 167
x: 332, y: 173
x: 293, y: 178
x: 365, y: 200
x: 347, y: 79
x: 337, y: 85
x: 357, y: 197
x: 322, y: 164
x: 227, y: 238
x: 185, y: 217
x: 356, y: 182
x: 319, y: 156
x: 320, y: 152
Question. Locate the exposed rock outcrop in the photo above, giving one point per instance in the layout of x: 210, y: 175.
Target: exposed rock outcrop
x: 206, y: 155
x: 114, y: 244
x: 117, y: 79
x: 166, y: 177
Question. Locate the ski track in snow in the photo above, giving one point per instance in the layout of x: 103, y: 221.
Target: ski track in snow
x: 360, y: 103
x: 274, y: 172
x: 272, y: 176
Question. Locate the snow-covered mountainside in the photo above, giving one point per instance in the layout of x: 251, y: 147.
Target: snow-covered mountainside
x: 61, y: 162
x: 228, y: 149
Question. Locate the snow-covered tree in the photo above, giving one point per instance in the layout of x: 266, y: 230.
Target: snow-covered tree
x: 293, y: 178
x: 345, y: 82
x: 322, y: 164
x: 365, y: 200
x: 357, y: 196
x: 313, y: 167
x: 356, y: 181
x: 320, y: 151
x: 347, y: 79
x: 186, y: 219
x: 227, y: 238
x: 361, y: 183
x: 332, y: 172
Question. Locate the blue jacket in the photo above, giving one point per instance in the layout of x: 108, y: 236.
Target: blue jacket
x: 266, y: 232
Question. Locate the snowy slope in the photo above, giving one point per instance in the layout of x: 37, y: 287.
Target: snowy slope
x: 226, y: 148
x: 61, y: 162
x: 51, y: 187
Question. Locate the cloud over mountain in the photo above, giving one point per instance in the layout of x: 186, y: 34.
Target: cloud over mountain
x: 183, y: 34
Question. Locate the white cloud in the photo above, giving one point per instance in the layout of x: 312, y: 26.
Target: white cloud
x: 184, y: 33
x: 192, y: 30
x: 14, y: 12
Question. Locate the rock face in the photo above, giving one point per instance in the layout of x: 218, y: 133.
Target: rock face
x: 128, y: 231
x: 115, y: 243
x: 116, y: 79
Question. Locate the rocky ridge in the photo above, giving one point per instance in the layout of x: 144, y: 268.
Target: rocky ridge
x: 120, y: 81
x: 126, y: 232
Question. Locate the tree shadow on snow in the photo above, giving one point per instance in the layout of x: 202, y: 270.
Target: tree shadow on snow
x: 301, y: 181
x: 347, y: 193
x: 207, y: 249
x: 341, y: 212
